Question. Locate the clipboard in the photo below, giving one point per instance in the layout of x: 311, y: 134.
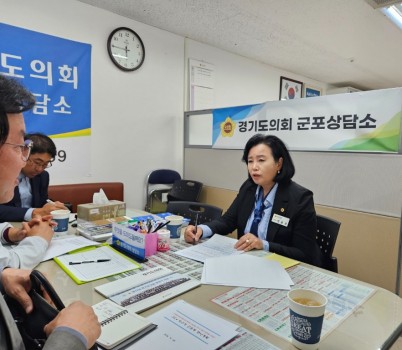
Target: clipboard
x: 93, y: 263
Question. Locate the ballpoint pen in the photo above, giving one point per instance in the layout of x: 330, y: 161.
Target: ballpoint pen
x: 160, y: 226
x: 88, y: 261
x: 196, y: 227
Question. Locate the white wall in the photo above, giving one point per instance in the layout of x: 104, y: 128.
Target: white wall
x: 137, y: 118
x: 239, y: 80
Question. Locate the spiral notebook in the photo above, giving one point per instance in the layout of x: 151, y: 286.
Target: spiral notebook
x: 120, y: 327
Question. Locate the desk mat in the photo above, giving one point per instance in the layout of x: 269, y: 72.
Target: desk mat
x: 170, y: 260
x: 269, y: 307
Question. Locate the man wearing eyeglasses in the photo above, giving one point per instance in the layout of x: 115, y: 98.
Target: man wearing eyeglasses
x: 76, y: 326
x: 31, y: 194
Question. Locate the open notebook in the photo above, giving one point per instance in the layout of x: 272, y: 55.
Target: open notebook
x: 120, y: 326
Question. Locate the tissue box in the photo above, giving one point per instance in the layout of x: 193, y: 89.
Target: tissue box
x: 92, y: 212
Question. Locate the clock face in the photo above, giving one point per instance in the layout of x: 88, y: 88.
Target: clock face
x: 126, y: 49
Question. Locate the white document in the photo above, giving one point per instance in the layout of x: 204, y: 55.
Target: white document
x: 245, y: 271
x: 147, y: 288
x: 216, y: 246
x: 182, y: 326
x: 61, y: 246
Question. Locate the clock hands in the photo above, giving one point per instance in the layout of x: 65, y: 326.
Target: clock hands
x: 121, y: 48
x: 118, y: 47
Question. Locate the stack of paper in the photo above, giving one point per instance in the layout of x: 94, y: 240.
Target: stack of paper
x: 245, y: 271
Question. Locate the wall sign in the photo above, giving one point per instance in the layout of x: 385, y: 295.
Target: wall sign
x: 58, y: 72
x: 365, y: 122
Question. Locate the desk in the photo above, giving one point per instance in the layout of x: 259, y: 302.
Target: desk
x: 366, y: 328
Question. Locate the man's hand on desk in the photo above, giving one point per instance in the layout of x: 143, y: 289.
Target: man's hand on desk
x: 47, y: 208
x: 17, y: 234
x: 40, y: 226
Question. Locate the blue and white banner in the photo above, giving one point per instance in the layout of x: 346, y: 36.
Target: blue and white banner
x: 362, y: 121
x: 58, y: 72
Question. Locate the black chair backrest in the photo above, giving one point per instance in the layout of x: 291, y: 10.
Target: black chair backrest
x: 185, y: 190
x: 327, y: 233
x: 163, y: 176
x: 158, y: 184
x: 189, y: 210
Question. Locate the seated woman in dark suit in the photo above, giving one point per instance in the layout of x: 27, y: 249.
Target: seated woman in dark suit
x: 271, y: 211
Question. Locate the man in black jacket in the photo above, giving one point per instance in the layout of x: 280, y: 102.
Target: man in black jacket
x: 31, y: 194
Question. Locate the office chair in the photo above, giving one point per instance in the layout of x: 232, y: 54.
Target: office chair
x: 189, y: 210
x: 185, y: 190
x: 327, y: 233
x: 158, y: 184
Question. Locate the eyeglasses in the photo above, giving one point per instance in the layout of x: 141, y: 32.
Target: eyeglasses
x: 38, y: 163
x: 25, y: 148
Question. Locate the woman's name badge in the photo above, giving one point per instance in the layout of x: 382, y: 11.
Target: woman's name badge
x: 281, y: 220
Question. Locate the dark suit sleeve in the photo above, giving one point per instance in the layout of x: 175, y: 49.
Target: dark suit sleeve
x: 298, y: 240
x: 238, y: 213
x: 12, y: 210
x: 39, y: 186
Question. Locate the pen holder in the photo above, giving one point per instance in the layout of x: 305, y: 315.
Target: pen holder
x: 151, y: 243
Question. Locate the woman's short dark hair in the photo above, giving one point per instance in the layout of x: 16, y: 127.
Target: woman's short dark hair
x: 278, y: 149
x: 42, y: 144
x: 14, y: 98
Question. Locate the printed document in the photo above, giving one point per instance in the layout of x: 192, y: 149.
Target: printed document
x: 216, y: 246
x: 182, y: 326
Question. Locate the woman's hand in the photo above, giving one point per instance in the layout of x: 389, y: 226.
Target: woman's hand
x: 190, y: 236
x: 249, y: 242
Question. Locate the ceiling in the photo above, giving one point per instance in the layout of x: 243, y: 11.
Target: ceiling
x: 339, y: 42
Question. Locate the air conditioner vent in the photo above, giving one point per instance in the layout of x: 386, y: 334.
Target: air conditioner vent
x: 376, y: 4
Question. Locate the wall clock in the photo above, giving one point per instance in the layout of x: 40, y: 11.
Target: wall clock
x: 126, y: 49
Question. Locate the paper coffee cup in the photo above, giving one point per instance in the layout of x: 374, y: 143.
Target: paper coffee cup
x: 61, y: 218
x: 174, y: 225
x: 307, y: 309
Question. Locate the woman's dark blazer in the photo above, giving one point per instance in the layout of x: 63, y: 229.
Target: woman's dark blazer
x: 293, y: 201
x: 12, y: 211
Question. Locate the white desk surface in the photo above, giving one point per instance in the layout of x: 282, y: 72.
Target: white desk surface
x: 366, y: 328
